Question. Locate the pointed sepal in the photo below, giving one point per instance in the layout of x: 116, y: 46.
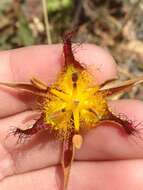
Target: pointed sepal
x: 122, y: 87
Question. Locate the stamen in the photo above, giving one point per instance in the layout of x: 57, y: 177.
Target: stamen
x: 94, y: 112
x: 60, y: 94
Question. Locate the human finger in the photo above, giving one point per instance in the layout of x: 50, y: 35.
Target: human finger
x: 106, y: 142
x: 104, y: 175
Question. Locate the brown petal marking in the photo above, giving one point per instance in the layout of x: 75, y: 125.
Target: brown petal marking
x: 124, y: 86
x: 25, y: 86
x: 67, y: 159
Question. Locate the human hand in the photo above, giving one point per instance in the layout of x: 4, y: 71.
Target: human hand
x: 107, y: 160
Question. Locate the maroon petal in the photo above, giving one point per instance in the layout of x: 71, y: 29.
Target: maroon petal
x: 67, y: 158
x: 68, y: 53
x: 23, y: 134
x: 130, y: 127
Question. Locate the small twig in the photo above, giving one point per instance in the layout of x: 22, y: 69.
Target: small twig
x: 131, y: 13
x: 46, y: 20
x: 77, y: 13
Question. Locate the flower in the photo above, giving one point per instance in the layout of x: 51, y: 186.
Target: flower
x: 74, y: 101
x: 72, y: 104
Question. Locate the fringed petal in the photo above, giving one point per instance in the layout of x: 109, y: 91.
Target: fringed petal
x: 68, y: 54
x: 121, y: 120
x: 23, y: 134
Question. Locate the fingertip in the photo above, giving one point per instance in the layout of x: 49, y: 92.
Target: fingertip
x: 5, y: 69
x: 42, y: 61
x: 99, y: 62
x: 45, y: 61
x: 132, y: 108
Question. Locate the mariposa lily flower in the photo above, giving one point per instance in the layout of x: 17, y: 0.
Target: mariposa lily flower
x: 72, y: 104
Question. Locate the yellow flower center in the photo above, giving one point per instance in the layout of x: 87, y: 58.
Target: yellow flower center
x: 75, y: 102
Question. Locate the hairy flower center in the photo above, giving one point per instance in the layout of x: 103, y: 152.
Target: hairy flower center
x: 74, y: 101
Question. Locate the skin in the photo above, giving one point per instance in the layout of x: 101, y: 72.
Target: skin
x: 108, y: 159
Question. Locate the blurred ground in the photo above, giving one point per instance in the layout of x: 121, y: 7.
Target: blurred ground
x: 115, y: 24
